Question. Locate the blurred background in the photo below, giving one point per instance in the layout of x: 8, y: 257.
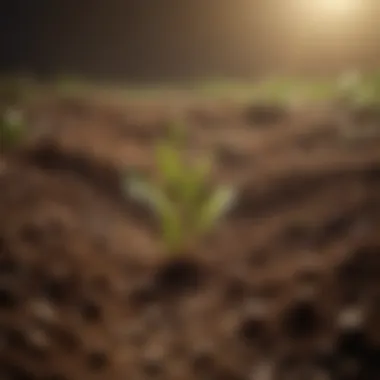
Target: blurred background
x: 171, y: 40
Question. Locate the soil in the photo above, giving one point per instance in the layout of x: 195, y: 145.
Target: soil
x: 286, y: 287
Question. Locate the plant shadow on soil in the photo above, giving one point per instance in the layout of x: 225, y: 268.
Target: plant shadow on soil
x: 287, y: 287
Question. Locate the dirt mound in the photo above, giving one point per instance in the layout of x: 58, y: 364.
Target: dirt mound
x: 286, y: 288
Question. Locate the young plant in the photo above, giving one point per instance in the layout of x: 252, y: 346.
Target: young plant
x: 12, y: 129
x: 182, y: 200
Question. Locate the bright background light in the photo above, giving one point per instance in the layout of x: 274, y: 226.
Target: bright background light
x: 331, y: 10
x: 336, y: 8
x: 325, y: 35
x: 325, y: 16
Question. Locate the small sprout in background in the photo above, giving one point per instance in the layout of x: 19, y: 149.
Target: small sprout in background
x: 348, y: 86
x: 349, y: 80
x: 181, y: 198
x: 359, y: 89
x: 12, y: 129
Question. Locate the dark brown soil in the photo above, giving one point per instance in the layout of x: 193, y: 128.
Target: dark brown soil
x: 287, y: 287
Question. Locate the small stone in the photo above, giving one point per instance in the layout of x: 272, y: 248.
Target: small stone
x: 352, y: 317
x: 262, y: 371
x: 38, y: 338
x: 257, y: 307
x: 229, y: 321
x: 42, y: 310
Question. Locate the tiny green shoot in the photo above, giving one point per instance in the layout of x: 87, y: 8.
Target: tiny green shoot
x: 12, y: 129
x: 182, y: 200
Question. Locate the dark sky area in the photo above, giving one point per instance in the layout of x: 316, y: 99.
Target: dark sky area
x: 156, y: 40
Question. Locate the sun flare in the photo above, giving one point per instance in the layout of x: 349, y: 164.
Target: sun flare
x: 333, y: 8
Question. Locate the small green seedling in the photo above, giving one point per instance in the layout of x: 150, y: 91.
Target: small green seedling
x: 182, y: 200
x: 359, y: 89
x: 12, y: 129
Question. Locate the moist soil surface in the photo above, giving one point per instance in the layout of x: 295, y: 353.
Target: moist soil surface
x: 287, y: 286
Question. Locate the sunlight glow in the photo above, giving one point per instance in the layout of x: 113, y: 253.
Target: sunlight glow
x: 329, y: 15
x: 334, y: 8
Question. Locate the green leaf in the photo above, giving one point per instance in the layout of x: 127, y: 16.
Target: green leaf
x: 12, y: 128
x: 216, y: 206
x: 145, y: 192
x: 169, y: 161
x: 171, y: 229
x: 140, y: 190
x: 195, y: 180
x: 164, y: 209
